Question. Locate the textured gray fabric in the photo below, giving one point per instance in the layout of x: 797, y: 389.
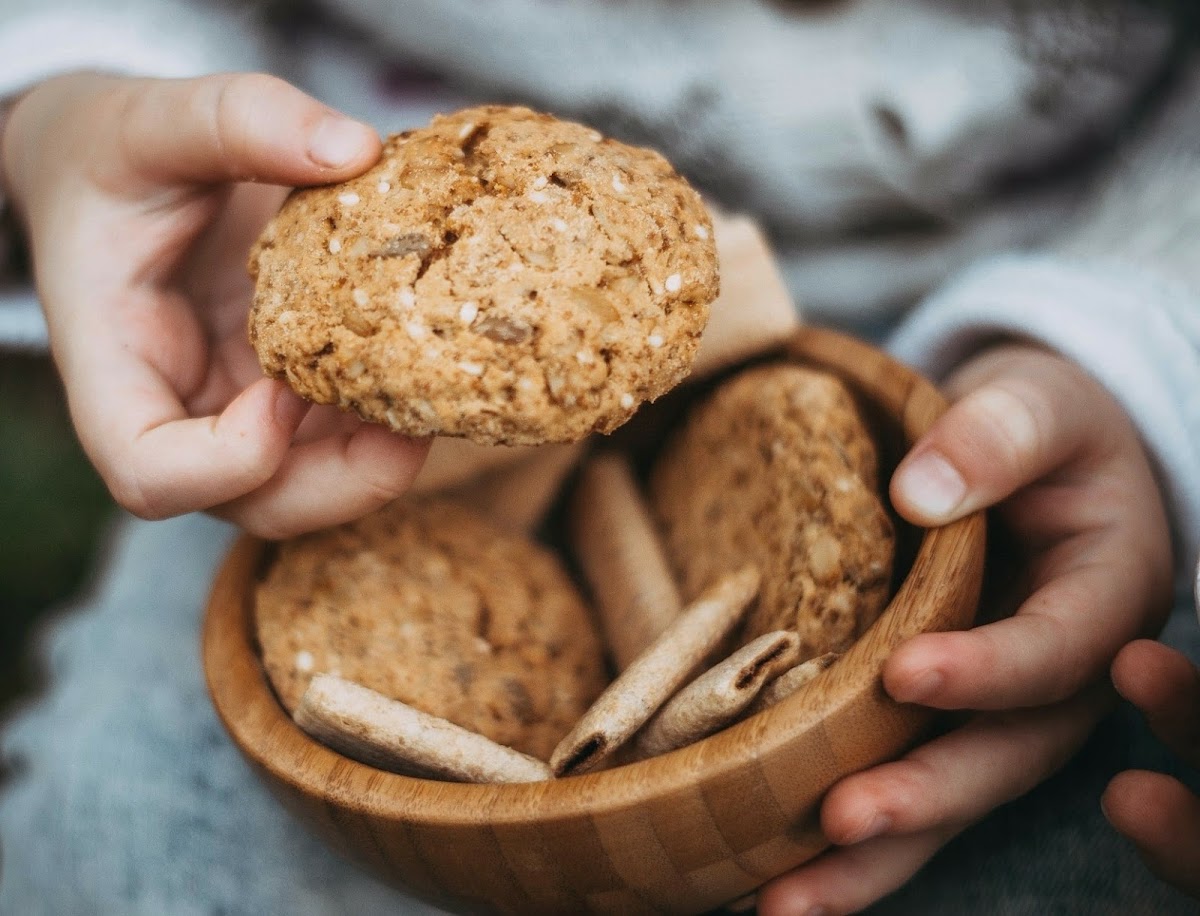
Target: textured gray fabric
x: 129, y: 798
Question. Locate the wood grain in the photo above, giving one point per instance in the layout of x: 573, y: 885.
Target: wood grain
x: 684, y: 832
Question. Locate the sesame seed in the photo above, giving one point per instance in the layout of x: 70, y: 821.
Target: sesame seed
x: 559, y: 223
x: 482, y: 646
x: 701, y: 232
x: 674, y: 283
x: 618, y: 184
x: 415, y: 329
x: 466, y: 130
x: 627, y: 400
x: 471, y: 368
x: 349, y: 198
x: 360, y: 297
x: 525, y: 384
x: 595, y: 136
x: 383, y: 187
x: 467, y: 312
x: 335, y: 245
x: 539, y: 197
x: 655, y: 340
x: 585, y: 357
x: 304, y: 661
x: 407, y: 298
x: 540, y: 182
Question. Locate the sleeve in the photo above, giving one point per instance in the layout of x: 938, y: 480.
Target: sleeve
x: 168, y: 38
x: 1120, y: 294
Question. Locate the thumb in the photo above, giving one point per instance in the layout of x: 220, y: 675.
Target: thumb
x: 1001, y: 436
x: 237, y: 127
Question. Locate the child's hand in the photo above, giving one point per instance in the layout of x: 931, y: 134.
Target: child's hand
x: 141, y: 199
x: 1039, y: 438
x: 1155, y: 811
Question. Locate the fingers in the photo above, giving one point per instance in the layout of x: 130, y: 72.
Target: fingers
x: 1162, y: 818
x: 964, y: 774
x: 1043, y: 654
x: 159, y: 463
x: 1165, y: 686
x: 891, y: 819
x: 848, y: 880
x: 330, y: 481
x: 236, y: 127
x: 1003, y: 434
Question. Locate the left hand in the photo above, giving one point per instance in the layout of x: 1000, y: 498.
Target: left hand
x: 1035, y: 436
x: 1157, y: 812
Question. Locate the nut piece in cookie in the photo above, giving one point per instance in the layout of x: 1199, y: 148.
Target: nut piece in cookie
x: 427, y: 603
x: 777, y: 468
x: 499, y: 275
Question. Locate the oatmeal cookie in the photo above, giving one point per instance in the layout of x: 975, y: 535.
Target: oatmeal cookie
x: 500, y: 275
x: 427, y: 603
x: 776, y: 468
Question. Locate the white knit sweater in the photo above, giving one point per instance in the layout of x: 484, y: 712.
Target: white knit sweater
x: 887, y: 144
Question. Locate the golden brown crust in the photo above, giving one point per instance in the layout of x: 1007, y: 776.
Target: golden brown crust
x: 767, y: 470
x: 499, y: 275
x: 427, y: 603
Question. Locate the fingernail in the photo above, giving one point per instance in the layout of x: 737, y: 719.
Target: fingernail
x: 932, y: 485
x: 920, y: 688
x: 338, y: 141
x: 877, y: 825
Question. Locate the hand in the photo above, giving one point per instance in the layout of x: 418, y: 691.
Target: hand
x: 1035, y: 436
x: 141, y: 199
x: 1155, y: 811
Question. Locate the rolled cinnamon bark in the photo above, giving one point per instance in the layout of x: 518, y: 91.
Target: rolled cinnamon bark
x: 790, y: 681
x: 613, y: 536
x: 385, y: 733
x: 653, y: 677
x: 717, y: 697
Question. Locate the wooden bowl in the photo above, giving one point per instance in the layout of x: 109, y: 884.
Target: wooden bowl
x: 684, y: 832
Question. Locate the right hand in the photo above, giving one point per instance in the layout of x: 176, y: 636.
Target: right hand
x: 141, y: 198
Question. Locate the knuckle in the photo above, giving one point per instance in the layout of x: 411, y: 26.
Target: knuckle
x: 251, y: 460
x: 1010, y: 422
x: 1064, y: 671
x: 126, y: 486
x: 913, y: 787
x: 235, y: 98
x: 384, y: 490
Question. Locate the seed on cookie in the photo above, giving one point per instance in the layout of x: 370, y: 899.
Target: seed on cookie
x: 495, y: 237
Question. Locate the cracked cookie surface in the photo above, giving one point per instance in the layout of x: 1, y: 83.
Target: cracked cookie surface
x: 500, y: 275
x: 428, y: 603
x: 777, y: 468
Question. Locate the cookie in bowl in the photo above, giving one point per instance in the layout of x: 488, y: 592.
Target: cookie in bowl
x: 430, y: 604
x: 778, y: 468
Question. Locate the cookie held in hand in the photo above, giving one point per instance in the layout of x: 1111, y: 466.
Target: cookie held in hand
x: 499, y: 275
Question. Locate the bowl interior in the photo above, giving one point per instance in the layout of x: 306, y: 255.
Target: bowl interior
x: 688, y: 830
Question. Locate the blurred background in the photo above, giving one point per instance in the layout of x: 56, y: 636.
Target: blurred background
x: 52, y: 512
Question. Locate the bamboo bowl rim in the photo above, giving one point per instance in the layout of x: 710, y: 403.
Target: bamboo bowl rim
x: 249, y: 710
